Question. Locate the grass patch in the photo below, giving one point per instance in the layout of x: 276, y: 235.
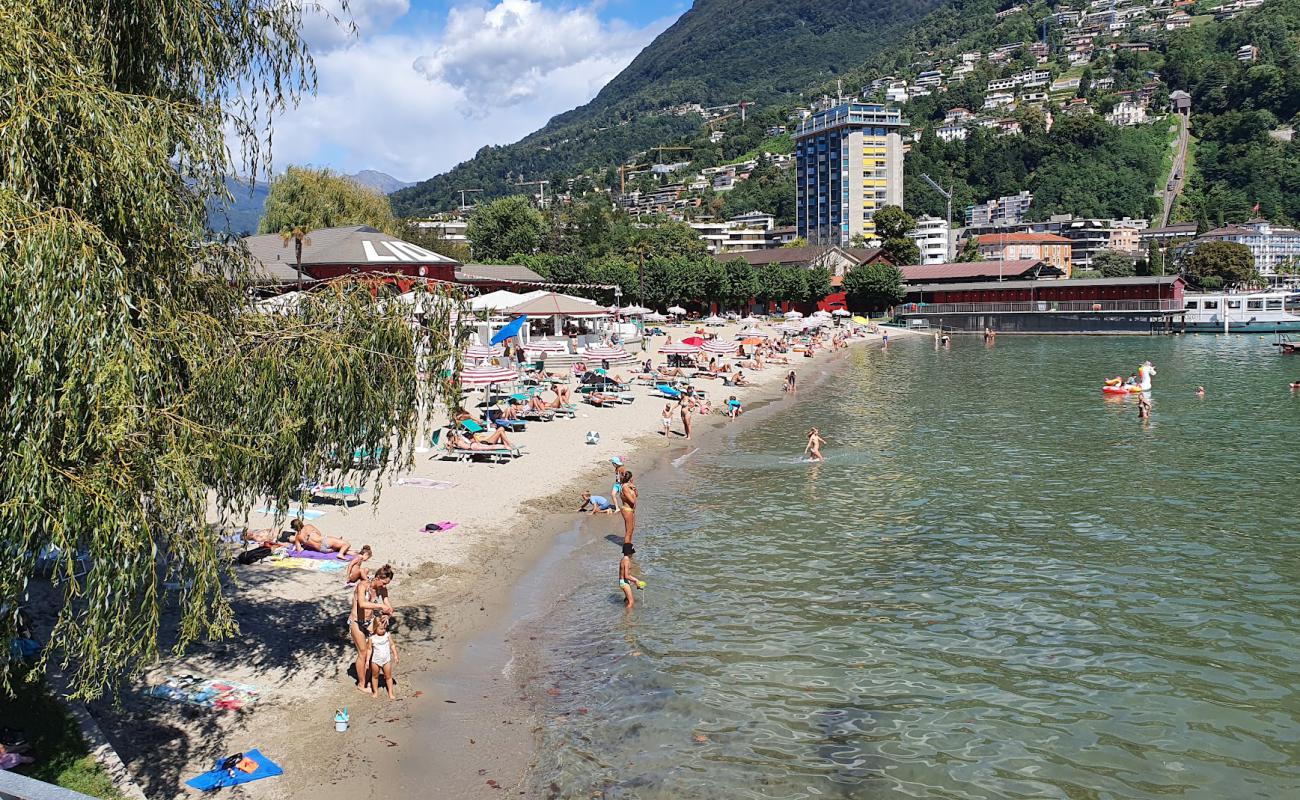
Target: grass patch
x: 778, y: 145
x: 62, y: 757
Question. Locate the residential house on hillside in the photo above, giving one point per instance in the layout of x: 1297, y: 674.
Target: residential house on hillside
x: 1046, y: 247
x: 1127, y: 113
x: 1000, y: 212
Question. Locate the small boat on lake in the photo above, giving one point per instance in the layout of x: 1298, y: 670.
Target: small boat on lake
x: 1265, y: 311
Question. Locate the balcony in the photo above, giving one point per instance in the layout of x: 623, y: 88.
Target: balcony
x: 1047, y: 307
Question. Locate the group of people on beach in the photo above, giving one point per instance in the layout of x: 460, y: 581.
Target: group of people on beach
x: 622, y: 501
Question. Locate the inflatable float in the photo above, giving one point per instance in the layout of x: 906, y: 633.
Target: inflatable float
x: 1118, y: 386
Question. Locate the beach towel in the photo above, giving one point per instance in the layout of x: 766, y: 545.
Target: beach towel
x: 216, y: 778
x: 438, y: 527
x: 207, y: 692
x: 294, y: 513
x: 310, y: 564
x: 318, y: 556
x: 425, y: 483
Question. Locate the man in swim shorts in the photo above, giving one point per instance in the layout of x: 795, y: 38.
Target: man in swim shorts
x: 598, y: 504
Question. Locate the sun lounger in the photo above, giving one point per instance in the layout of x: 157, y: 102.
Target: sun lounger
x: 342, y: 494
x: 512, y: 425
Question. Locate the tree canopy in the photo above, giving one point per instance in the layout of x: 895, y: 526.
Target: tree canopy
x: 874, y: 286
x: 892, y: 226
x: 1114, y: 264
x: 145, y: 405
x: 1217, y: 264
x: 506, y: 227
x: 309, y: 199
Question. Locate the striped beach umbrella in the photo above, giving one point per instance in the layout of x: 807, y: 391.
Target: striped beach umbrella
x: 678, y: 349
x: 546, y: 346
x: 477, y: 352
x: 752, y: 332
x: 604, y: 353
x: 719, y: 347
x: 486, y: 375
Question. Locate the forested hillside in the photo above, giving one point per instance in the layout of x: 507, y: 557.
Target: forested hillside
x: 721, y: 51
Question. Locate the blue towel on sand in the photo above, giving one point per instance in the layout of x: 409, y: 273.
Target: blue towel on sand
x: 217, y: 778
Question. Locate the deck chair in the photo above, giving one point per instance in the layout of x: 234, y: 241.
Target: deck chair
x: 343, y: 494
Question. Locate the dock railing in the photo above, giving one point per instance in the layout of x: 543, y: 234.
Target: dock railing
x: 1044, y: 307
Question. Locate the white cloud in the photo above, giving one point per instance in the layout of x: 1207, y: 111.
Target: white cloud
x: 327, y: 25
x: 415, y: 103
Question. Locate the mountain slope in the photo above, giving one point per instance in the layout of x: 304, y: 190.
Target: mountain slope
x: 721, y: 51
x: 381, y: 182
x: 241, y: 216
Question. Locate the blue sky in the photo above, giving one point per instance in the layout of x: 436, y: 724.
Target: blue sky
x: 426, y: 83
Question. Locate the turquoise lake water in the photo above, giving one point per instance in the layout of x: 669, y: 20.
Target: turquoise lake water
x: 999, y: 584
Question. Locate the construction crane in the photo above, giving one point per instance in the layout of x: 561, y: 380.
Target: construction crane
x: 541, y: 184
x: 628, y: 169
x: 946, y: 194
x: 463, y: 192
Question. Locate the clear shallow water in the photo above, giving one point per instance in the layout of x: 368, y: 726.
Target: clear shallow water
x: 1000, y: 584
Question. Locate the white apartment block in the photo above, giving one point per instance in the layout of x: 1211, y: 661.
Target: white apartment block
x: 932, y: 236
x: 1127, y: 113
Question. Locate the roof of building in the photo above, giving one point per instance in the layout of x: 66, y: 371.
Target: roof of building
x: 965, y: 270
x: 801, y: 255
x: 1248, y: 230
x: 1026, y: 237
x: 551, y: 303
x: 1176, y: 228
x: 350, y: 245
x: 507, y: 273
x: 1142, y: 280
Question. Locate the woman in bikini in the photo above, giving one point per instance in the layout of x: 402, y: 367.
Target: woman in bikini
x: 684, y: 406
x: 627, y: 506
x: 368, y: 597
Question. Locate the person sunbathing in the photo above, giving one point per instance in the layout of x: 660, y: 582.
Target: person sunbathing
x: 458, y: 441
x: 739, y: 380
x: 309, y: 537
x: 264, y: 538
x: 497, y: 437
x: 602, y: 399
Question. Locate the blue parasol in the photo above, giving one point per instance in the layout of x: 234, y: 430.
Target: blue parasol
x: 510, y: 330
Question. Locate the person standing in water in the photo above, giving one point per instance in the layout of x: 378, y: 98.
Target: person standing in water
x: 789, y: 383
x: 627, y: 506
x: 813, y: 451
x: 684, y: 407
x: 1144, y: 406
x: 625, y: 579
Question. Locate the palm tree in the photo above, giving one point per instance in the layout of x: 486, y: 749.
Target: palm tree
x: 298, y: 235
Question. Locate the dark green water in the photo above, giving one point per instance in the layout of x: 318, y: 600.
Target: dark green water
x: 999, y: 584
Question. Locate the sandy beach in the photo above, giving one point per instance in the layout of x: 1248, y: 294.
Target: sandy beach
x: 462, y: 712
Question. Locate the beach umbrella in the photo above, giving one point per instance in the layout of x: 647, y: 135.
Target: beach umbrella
x: 511, y: 330
x: 719, y: 347
x: 694, y: 341
x: 676, y: 310
x: 751, y: 321
x: 681, y: 348
x: 861, y: 320
x: 790, y: 328
x: 793, y: 315
x: 477, y: 352
x: 655, y: 316
x: 633, y: 311
x: 840, y: 312
x: 486, y: 375
x: 604, y: 353
x: 751, y: 341
x: 714, y: 320
x: 822, y: 314
x: 547, y: 346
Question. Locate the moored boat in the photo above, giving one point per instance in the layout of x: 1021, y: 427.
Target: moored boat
x: 1266, y: 311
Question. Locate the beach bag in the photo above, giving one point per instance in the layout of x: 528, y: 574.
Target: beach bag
x: 253, y: 556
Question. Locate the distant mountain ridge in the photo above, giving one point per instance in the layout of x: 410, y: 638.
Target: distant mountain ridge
x: 245, y: 211
x: 379, y: 181
x: 718, y: 52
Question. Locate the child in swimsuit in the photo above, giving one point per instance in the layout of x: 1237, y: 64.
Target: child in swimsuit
x: 383, y: 655
x: 625, y: 579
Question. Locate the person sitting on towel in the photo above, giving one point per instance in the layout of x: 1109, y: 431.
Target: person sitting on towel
x: 309, y: 537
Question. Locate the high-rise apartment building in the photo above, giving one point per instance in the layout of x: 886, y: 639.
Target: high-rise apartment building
x: 849, y: 163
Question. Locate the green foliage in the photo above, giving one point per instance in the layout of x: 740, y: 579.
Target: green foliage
x: 768, y: 189
x: 1155, y: 259
x: 874, y: 286
x: 146, y: 406
x: 902, y: 250
x: 505, y: 227
x: 970, y: 250
x: 63, y: 758
x: 310, y: 199
x: 1216, y: 264
x: 893, y: 222
x: 1114, y: 264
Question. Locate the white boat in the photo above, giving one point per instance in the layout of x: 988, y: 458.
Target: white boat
x: 1265, y: 311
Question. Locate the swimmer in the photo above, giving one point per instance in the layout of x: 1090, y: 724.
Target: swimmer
x: 1200, y: 391
x: 813, y: 451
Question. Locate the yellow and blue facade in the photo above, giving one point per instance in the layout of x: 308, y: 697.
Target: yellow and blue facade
x: 849, y: 163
